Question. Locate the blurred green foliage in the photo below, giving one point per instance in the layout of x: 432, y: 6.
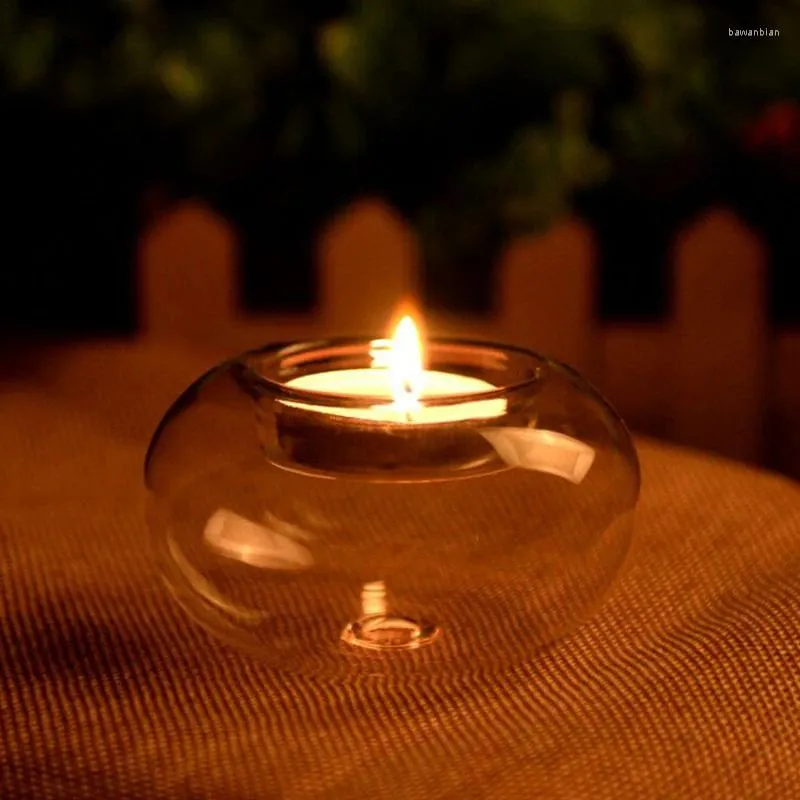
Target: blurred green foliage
x: 474, y: 117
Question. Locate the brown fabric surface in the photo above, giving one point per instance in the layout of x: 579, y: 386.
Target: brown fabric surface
x: 684, y: 685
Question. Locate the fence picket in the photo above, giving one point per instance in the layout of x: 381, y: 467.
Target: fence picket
x: 785, y: 406
x: 367, y: 264
x: 187, y: 276
x: 632, y: 365
x: 545, y: 298
x: 719, y: 346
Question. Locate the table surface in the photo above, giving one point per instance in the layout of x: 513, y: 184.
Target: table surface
x: 683, y: 685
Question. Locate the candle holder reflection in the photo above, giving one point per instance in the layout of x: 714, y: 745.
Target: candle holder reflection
x: 275, y: 545
x: 544, y: 451
x: 377, y: 629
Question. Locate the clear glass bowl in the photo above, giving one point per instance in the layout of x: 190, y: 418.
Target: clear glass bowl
x: 334, y: 545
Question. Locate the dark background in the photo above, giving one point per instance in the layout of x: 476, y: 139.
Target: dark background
x: 83, y: 179
x: 76, y: 206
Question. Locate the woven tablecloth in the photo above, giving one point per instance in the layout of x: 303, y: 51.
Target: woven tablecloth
x: 685, y: 684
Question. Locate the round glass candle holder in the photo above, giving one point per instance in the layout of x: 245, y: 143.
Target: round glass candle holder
x: 332, y: 540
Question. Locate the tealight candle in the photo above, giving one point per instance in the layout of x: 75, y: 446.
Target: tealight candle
x: 398, y: 375
x: 403, y: 431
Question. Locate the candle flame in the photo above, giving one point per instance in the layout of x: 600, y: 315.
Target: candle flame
x: 404, y: 361
x: 401, y: 357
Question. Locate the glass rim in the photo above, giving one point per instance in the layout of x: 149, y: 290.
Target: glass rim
x: 305, y: 350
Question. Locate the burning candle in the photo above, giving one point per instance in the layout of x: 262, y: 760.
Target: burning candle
x: 400, y: 431
x: 399, y: 375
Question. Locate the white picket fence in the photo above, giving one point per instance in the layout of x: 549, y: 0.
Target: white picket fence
x: 716, y: 377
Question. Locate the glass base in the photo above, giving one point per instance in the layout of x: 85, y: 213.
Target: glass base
x: 384, y: 632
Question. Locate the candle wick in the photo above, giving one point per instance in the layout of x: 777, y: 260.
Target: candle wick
x: 409, y: 390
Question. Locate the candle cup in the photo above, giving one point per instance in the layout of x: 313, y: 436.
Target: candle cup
x: 337, y: 534
x: 359, y: 435
x: 332, y: 445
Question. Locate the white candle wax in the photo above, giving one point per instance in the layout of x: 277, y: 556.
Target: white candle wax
x: 377, y: 383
